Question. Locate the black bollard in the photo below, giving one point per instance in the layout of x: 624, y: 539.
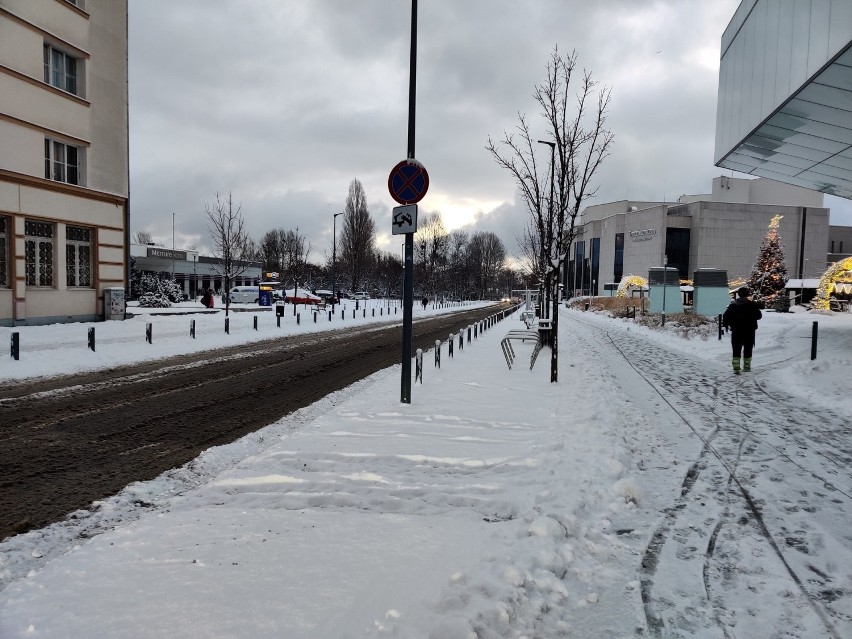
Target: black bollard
x: 192, y: 329
x: 255, y: 322
x: 814, y: 332
x: 149, y: 333
x: 92, y: 338
x: 16, y: 346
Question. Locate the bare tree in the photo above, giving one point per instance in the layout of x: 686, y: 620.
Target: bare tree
x: 357, y: 237
x: 269, y: 251
x: 294, y: 253
x: 458, y: 268
x: 143, y: 237
x: 576, y: 122
x: 231, y: 242
x: 430, y: 249
x: 389, y: 270
x: 486, y: 255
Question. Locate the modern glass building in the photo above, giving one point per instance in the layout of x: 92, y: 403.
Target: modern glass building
x: 785, y: 93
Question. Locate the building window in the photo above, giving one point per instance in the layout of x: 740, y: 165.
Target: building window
x: 4, y: 253
x: 618, y: 262
x: 78, y: 255
x: 60, y: 69
x: 38, y: 253
x: 61, y: 162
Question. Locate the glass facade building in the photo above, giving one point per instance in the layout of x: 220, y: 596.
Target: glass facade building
x: 785, y: 93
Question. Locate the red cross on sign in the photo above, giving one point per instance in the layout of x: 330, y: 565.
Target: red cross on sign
x: 408, y: 182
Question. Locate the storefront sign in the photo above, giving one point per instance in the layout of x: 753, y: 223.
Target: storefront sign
x: 167, y: 254
x: 644, y: 234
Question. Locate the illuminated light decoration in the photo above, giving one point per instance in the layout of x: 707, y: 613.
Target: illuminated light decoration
x: 768, y: 277
x: 629, y: 282
x: 827, y: 283
x: 736, y: 283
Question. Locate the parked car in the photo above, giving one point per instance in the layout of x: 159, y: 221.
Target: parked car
x: 243, y: 295
x: 301, y: 296
x: 361, y: 295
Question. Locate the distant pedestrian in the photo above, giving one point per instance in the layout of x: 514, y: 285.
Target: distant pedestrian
x: 207, y: 298
x: 425, y: 302
x: 741, y: 319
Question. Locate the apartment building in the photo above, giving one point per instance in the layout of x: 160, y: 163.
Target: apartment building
x: 64, y: 182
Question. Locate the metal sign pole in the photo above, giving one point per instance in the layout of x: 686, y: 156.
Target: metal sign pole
x: 408, y: 285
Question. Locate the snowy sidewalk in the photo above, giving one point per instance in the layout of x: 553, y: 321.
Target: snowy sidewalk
x: 476, y: 506
x: 495, y: 505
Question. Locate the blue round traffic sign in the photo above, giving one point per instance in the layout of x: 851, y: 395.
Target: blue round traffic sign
x: 408, y: 182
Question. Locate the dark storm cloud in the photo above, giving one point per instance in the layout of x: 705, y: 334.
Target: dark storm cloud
x: 284, y: 102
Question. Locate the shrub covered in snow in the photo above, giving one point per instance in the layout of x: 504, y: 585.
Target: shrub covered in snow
x: 157, y: 293
x: 154, y: 300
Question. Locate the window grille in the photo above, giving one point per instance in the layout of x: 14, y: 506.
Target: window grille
x: 38, y: 249
x: 78, y: 256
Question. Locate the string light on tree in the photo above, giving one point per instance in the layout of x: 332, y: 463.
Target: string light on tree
x: 768, y: 277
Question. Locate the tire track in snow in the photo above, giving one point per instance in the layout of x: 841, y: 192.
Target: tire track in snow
x: 723, y: 480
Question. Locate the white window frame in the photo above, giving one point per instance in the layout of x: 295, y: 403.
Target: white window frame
x: 78, y: 265
x: 39, y: 260
x: 62, y: 70
x: 58, y: 163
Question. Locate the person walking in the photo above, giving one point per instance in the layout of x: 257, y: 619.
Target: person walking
x: 741, y: 319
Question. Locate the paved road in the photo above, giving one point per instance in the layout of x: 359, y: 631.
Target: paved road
x: 764, y: 500
x: 69, y: 441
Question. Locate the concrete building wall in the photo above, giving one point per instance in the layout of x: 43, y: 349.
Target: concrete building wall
x: 90, y: 116
x: 763, y: 191
x: 722, y: 234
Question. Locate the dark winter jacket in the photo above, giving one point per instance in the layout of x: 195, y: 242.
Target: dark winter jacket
x: 741, y: 316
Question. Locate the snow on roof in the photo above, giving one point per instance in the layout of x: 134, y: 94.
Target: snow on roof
x: 805, y: 283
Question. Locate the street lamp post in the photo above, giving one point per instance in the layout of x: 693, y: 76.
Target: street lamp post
x: 334, y: 259
x: 552, y: 146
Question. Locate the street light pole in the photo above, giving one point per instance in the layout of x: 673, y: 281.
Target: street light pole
x: 334, y: 260
x: 547, y: 254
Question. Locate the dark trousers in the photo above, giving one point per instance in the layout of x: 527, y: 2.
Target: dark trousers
x: 742, y: 343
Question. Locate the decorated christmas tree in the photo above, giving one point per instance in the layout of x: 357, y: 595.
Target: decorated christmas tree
x: 769, y: 275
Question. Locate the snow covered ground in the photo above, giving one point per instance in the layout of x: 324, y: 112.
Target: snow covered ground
x: 650, y: 493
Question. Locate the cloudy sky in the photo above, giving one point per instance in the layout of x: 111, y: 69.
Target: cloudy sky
x: 285, y: 102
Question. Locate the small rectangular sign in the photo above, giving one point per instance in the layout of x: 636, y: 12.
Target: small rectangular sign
x: 404, y: 219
